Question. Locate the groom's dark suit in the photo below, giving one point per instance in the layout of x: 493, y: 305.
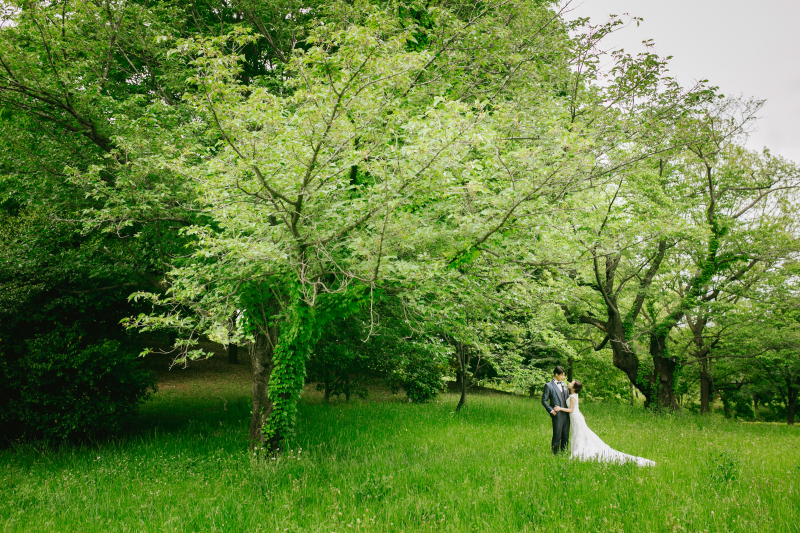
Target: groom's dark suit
x: 557, y: 395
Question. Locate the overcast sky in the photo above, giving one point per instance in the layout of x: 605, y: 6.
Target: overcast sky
x: 745, y: 47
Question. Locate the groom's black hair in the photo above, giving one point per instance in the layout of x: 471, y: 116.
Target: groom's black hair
x: 559, y: 370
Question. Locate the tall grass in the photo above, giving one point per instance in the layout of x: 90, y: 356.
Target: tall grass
x: 388, y: 465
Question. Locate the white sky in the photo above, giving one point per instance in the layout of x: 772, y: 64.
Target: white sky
x: 745, y: 47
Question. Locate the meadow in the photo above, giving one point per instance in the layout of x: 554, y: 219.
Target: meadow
x: 386, y: 465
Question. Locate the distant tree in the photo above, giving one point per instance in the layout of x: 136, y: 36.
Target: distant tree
x: 339, y: 364
x: 765, y: 351
x: 653, y: 271
x: 744, y: 224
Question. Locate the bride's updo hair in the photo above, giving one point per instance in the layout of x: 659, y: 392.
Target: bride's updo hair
x: 577, y: 386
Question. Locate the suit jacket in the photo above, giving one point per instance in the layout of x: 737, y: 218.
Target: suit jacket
x: 552, y: 396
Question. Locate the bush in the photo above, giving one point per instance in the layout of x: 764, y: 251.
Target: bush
x: 738, y: 403
x: 61, y: 388
x: 419, y: 373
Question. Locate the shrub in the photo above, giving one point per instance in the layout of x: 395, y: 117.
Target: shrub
x: 738, y: 403
x: 418, y: 372
x: 61, y: 388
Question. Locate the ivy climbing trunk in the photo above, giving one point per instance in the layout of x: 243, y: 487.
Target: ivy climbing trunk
x: 261, y: 354
x: 701, y: 352
x: 280, y: 355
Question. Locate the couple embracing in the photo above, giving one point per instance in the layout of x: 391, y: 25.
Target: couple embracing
x: 561, y: 402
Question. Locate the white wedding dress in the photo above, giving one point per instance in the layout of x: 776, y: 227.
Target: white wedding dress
x: 587, y: 446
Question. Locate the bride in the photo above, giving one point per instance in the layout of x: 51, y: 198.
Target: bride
x: 586, y: 445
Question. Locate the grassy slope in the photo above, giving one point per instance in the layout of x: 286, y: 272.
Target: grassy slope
x: 387, y: 465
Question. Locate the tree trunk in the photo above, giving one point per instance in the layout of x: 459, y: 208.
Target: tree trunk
x: 463, y: 363
x: 618, y: 331
x: 625, y: 359
x: 347, y: 389
x: 630, y: 386
x: 664, y: 372
x: 792, y: 405
x: 327, y: 398
x: 659, y: 388
x: 463, y: 399
x: 233, y: 348
x: 261, y: 351
x: 570, y: 361
x: 233, y: 354
x: 705, y: 388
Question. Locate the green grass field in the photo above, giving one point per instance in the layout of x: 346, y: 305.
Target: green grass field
x: 387, y: 465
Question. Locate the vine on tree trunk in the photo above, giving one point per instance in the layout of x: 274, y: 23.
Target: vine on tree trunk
x: 286, y: 382
x: 301, y: 326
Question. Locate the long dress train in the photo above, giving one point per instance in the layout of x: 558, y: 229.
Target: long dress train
x: 587, y: 446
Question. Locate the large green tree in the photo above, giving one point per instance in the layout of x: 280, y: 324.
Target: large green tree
x: 406, y: 143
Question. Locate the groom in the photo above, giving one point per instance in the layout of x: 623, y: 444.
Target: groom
x: 555, y: 394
